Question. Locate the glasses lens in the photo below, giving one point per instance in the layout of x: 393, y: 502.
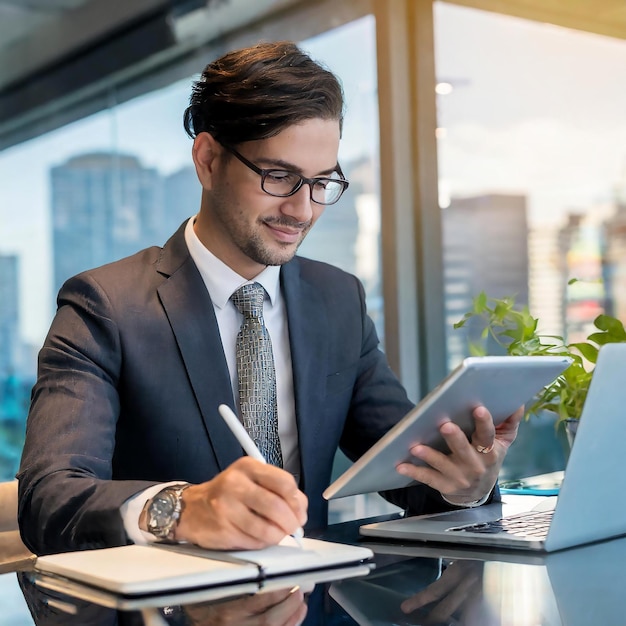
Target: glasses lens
x: 327, y: 191
x: 283, y: 183
x: 280, y: 182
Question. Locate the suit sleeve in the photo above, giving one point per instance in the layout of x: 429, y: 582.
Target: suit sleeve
x: 67, y: 498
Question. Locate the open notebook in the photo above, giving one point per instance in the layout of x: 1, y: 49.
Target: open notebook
x: 72, y: 589
x: 135, y: 570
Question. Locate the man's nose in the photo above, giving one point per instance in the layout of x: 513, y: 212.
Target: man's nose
x: 299, y: 206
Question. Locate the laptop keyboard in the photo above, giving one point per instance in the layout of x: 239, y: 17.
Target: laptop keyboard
x: 534, y: 524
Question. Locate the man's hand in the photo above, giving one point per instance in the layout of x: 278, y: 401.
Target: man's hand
x: 459, y: 591
x: 466, y: 474
x: 278, y: 608
x: 248, y: 506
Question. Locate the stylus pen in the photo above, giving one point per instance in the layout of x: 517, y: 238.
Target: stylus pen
x: 242, y: 436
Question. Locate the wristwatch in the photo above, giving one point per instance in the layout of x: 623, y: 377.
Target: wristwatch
x: 163, y: 512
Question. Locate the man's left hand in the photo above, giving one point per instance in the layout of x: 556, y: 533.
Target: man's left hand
x: 469, y: 472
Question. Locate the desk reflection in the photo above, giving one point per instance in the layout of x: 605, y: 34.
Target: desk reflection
x: 411, y: 585
x: 285, y: 606
x: 417, y: 591
x: 576, y: 587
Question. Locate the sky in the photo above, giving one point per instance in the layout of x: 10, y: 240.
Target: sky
x: 544, y: 116
x: 535, y: 109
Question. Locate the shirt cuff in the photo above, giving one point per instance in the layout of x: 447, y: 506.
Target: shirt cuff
x: 131, y: 511
x: 472, y: 503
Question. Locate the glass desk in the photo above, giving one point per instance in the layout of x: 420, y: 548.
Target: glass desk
x: 410, y: 584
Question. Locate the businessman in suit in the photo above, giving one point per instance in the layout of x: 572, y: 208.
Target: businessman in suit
x: 124, y: 442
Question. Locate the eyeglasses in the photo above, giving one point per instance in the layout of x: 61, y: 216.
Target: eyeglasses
x: 283, y: 183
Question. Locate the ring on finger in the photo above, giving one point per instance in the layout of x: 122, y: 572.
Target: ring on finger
x: 484, y: 449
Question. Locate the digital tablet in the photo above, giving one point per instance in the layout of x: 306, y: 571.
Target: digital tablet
x: 500, y: 383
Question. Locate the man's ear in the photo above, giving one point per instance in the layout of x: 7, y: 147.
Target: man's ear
x: 205, y: 153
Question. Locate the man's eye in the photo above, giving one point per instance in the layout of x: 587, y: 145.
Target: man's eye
x: 280, y: 176
x: 322, y: 183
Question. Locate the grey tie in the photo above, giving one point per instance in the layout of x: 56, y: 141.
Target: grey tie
x: 257, y: 376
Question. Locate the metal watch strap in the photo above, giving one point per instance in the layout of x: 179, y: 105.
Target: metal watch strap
x: 166, y: 532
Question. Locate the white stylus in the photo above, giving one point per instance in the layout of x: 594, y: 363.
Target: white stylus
x: 245, y: 441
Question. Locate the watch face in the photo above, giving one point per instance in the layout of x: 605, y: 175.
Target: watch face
x: 161, y: 510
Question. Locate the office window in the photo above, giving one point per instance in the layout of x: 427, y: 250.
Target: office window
x: 532, y: 185
x: 118, y: 181
x: 348, y: 233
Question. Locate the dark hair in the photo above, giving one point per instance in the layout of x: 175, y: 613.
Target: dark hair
x: 256, y: 92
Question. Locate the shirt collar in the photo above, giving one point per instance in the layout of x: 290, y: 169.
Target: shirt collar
x: 220, y: 280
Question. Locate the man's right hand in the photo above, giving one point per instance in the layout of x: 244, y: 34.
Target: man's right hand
x: 248, y: 506
x: 285, y: 607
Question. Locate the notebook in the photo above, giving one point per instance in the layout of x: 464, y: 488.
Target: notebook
x: 501, y: 383
x: 135, y: 570
x: 304, y: 580
x: 589, y: 506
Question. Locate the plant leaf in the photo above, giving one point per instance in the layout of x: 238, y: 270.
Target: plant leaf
x: 589, y: 351
x: 480, y: 302
x: 611, y: 325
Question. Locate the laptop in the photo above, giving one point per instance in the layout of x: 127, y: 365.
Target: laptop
x: 589, y: 506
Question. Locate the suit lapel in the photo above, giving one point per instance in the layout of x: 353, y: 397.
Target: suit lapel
x: 307, y: 317
x: 189, y: 309
x: 191, y: 315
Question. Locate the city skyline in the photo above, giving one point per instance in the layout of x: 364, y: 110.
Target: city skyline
x: 516, y: 139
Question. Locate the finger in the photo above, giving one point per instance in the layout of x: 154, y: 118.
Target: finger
x: 460, y: 479
x: 240, y: 527
x: 484, y: 434
x: 274, y: 509
x: 450, y: 579
x: 507, y: 431
x: 456, y: 599
x: 435, y: 591
x: 250, y: 507
x: 459, y: 445
x: 221, y: 514
x: 443, y: 472
x: 259, y: 603
x: 281, y: 483
x: 289, y: 611
x: 447, y: 463
x: 257, y: 529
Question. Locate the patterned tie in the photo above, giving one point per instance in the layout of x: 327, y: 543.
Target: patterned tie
x: 257, y: 377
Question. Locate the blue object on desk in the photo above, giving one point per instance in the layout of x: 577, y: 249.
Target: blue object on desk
x: 540, y: 485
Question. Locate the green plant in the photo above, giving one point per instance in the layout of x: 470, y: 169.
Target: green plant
x: 516, y: 331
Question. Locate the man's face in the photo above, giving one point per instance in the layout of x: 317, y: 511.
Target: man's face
x: 248, y: 228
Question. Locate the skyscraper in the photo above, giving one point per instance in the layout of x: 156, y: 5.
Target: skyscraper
x: 181, y: 198
x: 485, y: 248
x: 614, y: 261
x: 104, y: 206
x: 9, y: 314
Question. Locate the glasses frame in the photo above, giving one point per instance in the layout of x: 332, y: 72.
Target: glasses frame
x: 263, y: 173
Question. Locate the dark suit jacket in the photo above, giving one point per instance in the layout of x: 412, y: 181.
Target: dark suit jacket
x: 132, y: 372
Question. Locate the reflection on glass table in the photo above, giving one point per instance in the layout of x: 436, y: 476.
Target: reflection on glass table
x: 412, y: 583
x: 574, y: 587
x: 283, y: 599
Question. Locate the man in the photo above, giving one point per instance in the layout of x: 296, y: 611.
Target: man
x: 141, y: 352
